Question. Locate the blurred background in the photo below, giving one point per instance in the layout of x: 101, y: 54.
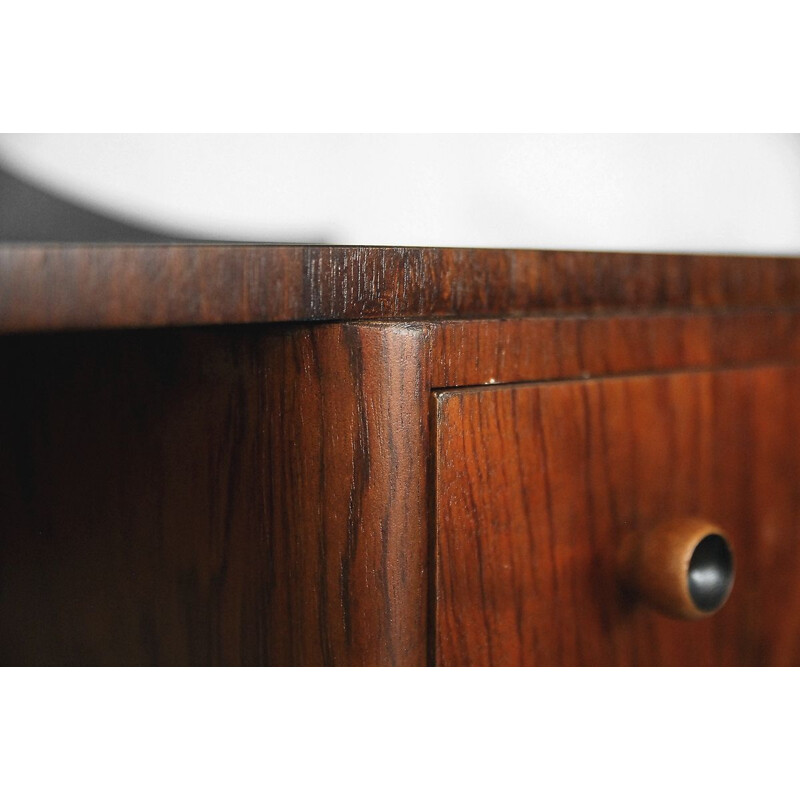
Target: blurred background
x: 718, y: 193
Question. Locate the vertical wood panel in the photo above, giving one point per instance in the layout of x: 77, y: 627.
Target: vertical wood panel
x: 349, y: 518
x: 246, y: 496
x: 131, y: 518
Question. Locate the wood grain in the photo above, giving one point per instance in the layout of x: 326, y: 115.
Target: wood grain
x: 537, y: 484
x: 473, y: 352
x: 238, y: 496
x: 57, y: 287
x: 348, y: 436
x: 258, y: 495
x: 263, y: 494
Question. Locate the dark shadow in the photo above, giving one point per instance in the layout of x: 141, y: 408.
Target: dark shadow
x: 30, y: 214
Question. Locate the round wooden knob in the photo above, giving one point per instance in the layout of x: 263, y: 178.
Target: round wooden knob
x: 683, y: 568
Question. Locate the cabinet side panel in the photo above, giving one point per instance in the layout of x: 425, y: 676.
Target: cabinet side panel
x: 132, y: 523
x: 237, y: 496
x: 347, y: 433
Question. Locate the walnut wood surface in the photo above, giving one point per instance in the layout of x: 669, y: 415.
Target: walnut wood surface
x: 232, y: 496
x: 54, y: 287
x: 536, y: 484
x: 263, y: 494
x: 469, y: 352
x: 347, y: 436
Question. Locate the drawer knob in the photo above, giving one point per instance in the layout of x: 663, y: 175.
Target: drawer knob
x: 683, y: 568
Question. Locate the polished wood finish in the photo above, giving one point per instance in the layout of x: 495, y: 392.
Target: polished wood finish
x: 654, y: 565
x: 348, y: 441
x: 411, y: 486
x: 213, y: 497
x: 471, y: 352
x: 537, y: 484
x: 56, y: 287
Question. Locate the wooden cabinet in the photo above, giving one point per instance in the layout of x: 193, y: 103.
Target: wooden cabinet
x: 258, y: 455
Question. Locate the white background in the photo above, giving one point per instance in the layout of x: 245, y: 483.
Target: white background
x: 686, y: 65
x: 697, y: 193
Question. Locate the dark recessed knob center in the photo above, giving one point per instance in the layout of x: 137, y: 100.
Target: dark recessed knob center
x: 710, y: 572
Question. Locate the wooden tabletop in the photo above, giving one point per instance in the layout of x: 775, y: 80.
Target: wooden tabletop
x: 59, y: 287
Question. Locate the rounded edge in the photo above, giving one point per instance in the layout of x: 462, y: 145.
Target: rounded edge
x: 656, y: 567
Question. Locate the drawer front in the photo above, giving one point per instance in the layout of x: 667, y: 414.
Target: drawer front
x: 538, y: 485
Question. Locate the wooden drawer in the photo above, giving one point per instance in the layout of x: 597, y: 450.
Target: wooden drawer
x: 536, y: 484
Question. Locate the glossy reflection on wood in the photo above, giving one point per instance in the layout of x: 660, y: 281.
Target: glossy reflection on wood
x: 537, y: 484
x: 347, y: 438
x: 683, y: 567
x: 213, y: 497
x: 265, y: 494
x: 469, y: 352
x: 57, y: 287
